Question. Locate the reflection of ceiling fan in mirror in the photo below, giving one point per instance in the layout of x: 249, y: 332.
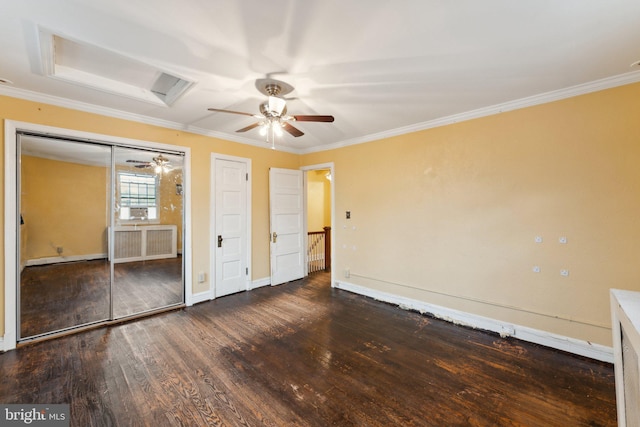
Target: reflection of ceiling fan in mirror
x: 158, y: 163
x: 273, y: 117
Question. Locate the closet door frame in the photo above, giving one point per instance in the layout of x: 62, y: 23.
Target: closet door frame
x: 12, y: 270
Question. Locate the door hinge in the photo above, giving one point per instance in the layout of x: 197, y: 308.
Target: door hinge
x: 247, y: 176
x: 247, y: 271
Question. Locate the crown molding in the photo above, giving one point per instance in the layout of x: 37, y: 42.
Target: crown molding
x: 124, y: 115
x: 543, y: 98
x: 581, y: 89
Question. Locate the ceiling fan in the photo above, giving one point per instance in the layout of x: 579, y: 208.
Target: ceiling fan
x: 158, y: 163
x: 273, y: 117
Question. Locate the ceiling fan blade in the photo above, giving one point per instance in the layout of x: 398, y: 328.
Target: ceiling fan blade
x: 244, y: 129
x: 137, y: 161
x: 147, y: 165
x: 217, y: 110
x: 303, y: 118
x: 292, y: 130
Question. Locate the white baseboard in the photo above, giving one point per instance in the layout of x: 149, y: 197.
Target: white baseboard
x: 559, y: 342
x: 209, y: 295
x: 200, y: 297
x: 60, y: 259
x: 265, y: 281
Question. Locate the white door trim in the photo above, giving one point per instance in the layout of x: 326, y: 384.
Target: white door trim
x: 331, y: 168
x: 212, y: 217
x: 11, y: 129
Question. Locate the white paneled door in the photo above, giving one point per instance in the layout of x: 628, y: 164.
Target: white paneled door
x: 230, y: 239
x: 286, y: 217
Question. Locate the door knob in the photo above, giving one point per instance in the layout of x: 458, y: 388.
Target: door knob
x: 275, y: 236
x: 219, y: 241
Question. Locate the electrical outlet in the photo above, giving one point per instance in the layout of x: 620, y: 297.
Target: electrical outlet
x: 347, y: 273
x: 59, y: 250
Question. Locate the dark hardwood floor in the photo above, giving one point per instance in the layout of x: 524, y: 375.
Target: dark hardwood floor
x: 59, y: 296
x: 146, y: 285
x: 304, y: 354
x: 64, y: 295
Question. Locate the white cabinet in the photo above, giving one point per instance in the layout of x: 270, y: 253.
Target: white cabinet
x: 625, y: 314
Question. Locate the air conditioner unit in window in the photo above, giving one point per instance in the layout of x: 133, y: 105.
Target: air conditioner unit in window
x: 138, y: 213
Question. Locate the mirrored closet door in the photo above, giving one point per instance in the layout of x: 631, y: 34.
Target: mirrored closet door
x: 64, y: 218
x: 147, y: 232
x: 100, y: 233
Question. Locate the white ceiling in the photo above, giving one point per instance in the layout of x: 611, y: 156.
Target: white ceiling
x: 93, y: 154
x: 380, y: 67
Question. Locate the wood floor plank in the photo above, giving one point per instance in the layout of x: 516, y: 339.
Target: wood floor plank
x: 304, y: 354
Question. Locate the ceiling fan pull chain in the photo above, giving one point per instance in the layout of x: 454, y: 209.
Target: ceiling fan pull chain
x: 273, y: 136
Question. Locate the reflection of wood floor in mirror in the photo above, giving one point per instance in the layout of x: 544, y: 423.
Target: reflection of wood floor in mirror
x: 58, y: 296
x: 146, y: 285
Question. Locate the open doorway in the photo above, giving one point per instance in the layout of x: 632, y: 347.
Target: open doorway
x: 319, y: 217
x: 318, y: 220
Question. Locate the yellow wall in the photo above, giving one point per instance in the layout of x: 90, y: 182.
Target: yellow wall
x: 449, y: 215
x: 201, y: 149
x: 318, y: 200
x: 171, y: 202
x: 63, y: 205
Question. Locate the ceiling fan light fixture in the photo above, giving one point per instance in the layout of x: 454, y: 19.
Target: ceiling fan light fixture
x: 276, y: 105
x: 274, y: 120
x: 161, y: 164
x: 161, y: 160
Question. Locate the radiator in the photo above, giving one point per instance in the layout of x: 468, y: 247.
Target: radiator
x: 139, y: 243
